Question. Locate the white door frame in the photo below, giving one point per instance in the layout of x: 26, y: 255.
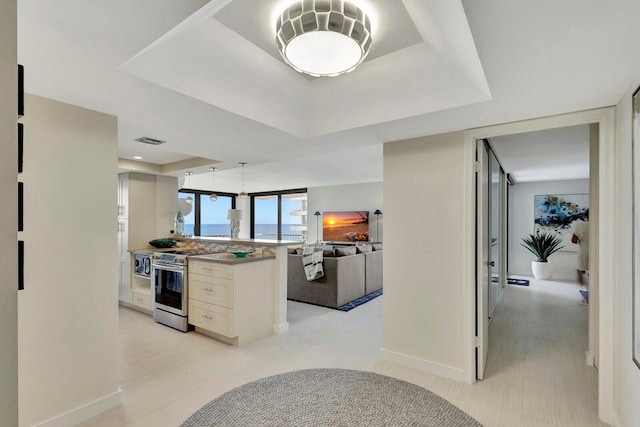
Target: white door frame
x: 605, y: 117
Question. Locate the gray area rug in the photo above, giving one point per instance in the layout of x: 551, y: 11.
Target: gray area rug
x: 329, y: 397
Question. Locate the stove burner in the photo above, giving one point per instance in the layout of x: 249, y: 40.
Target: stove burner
x: 177, y: 256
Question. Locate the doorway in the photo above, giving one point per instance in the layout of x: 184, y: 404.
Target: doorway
x: 492, y: 243
x: 601, y: 322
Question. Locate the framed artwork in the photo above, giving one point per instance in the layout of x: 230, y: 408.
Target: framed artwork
x: 636, y: 226
x: 557, y: 213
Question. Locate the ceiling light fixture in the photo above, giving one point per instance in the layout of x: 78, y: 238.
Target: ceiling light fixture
x: 243, y: 195
x: 189, y: 199
x: 213, y: 197
x: 323, y: 38
x: 137, y: 158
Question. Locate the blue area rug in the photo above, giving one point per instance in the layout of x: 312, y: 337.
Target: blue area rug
x: 519, y: 282
x: 353, y: 304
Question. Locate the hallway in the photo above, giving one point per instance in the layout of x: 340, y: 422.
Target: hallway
x: 537, y: 344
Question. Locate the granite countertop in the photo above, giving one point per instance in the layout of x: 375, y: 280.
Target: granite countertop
x: 224, y: 258
x: 151, y: 249
x: 242, y: 241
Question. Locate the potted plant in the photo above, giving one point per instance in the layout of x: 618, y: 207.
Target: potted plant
x: 542, y: 246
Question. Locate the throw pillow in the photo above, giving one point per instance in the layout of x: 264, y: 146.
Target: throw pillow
x: 328, y: 253
x: 363, y: 249
x: 345, y: 251
x: 299, y: 251
x: 291, y: 250
x: 377, y: 247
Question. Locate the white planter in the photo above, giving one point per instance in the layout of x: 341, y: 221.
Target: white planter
x: 542, y: 270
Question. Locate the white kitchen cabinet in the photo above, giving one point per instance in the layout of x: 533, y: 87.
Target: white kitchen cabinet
x: 146, y: 206
x: 233, y: 302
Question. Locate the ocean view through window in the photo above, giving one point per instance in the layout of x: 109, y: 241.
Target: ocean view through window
x: 207, y: 218
x: 279, y: 215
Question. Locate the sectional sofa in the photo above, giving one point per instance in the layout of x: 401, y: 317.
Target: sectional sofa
x: 349, y: 273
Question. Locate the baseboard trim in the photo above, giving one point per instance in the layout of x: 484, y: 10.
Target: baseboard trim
x: 281, y: 328
x: 85, y: 412
x: 423, y: 365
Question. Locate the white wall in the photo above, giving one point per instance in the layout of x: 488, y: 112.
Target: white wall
x: 627, y: 381
x: 351, y: 197
x: 423, y: 262
x: 521, y: 213
x: 9, y: 216
x: 68, y: 312
x: 166, y: 204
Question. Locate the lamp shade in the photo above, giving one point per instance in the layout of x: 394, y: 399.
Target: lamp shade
x: 378, y: 212
x: 234, y: 214
x: 317, y: 213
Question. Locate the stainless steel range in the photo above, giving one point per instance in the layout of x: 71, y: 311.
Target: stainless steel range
x: 169, y: 278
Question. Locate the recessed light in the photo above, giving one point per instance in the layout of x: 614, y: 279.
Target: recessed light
x: 137, y: 158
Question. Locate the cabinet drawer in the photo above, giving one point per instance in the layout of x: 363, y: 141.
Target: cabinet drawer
x: 223, y: 271
x: 211, y: 317
x: 141, y: 299
x: 212, y: 290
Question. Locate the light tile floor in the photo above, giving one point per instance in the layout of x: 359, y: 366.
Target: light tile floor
x: 536, y: 374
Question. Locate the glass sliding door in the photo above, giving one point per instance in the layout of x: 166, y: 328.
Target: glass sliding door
x: 265, y: 214
x: 213, y: 216
x: 294, y: 217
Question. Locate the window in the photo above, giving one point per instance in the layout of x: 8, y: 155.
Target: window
x: 279, y: 215
x: 265, y: 217
x: 208, y: 218
x: 213, y: 216
x: 190, y: 218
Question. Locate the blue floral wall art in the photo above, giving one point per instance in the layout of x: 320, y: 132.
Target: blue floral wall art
x: 558, y: 213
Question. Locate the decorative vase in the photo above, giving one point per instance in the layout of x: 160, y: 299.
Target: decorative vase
x: 542, y: 270
x: 235, y: 228
x: 178, y: 224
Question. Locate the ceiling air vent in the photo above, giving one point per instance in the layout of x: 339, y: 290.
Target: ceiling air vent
x: 152, y: 141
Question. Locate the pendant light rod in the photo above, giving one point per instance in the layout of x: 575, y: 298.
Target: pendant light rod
x: 213, y: 197
x: 189, y: 199
x: 243, y: 195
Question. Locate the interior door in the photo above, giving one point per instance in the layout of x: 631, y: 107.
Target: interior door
x: 495, y: 229
x: 483, y: 252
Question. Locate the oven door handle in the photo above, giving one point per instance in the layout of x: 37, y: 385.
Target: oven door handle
x: 167, y: 268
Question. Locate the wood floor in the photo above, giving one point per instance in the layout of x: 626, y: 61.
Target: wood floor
x: 536, y: 374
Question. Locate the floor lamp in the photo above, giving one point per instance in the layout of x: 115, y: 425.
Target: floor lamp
x: 377, y: 213
x: 317, y: 214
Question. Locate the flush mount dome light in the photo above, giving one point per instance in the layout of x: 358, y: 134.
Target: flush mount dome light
x: 323, y: 38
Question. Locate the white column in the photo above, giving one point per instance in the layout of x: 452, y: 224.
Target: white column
x: 280, y: 324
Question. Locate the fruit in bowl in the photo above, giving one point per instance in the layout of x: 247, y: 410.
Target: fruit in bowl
x: 240, y: 253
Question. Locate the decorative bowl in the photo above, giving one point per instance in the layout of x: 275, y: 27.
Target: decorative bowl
x: 163, y: 243
x: 240, y: 253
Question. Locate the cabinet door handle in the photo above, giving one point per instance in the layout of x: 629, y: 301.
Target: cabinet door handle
x: 140, y: 299
x: 207, y: 317
x: 208, y: 290
x: 207, y: 268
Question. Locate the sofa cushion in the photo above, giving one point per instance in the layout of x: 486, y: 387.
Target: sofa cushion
x: 377, y: 247
x: 345, y: 251
x: 363, y: 249
x: 328, y: 253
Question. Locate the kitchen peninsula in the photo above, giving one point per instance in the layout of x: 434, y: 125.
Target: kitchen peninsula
x: 233, y: 299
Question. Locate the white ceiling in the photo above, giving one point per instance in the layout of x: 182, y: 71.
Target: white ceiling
x: 548, y: 155
x: 150, y: 62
